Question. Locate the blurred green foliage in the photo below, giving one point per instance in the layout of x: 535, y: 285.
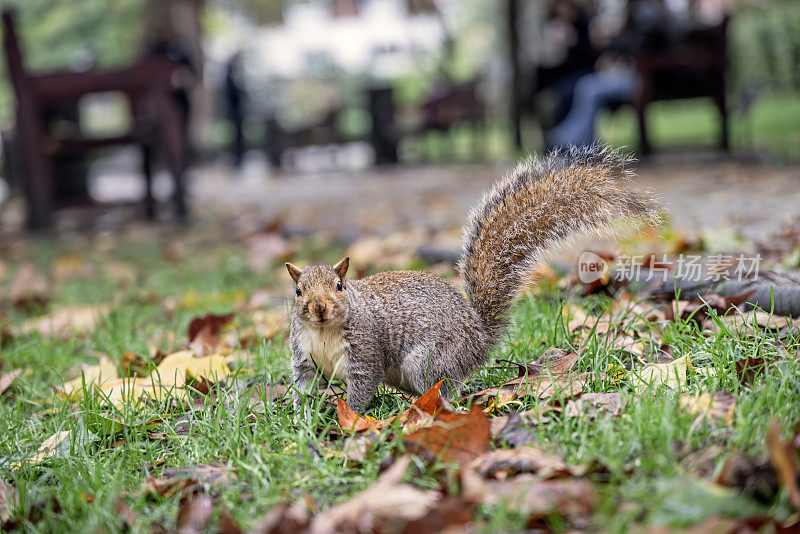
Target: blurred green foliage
x: 765, y: 46
x: 56, y: 33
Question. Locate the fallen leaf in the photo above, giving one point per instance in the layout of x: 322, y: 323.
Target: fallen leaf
x: 194, y: 514
x: 266, y: 325
x: 557, y: 361
x: 8, y: 378
x: 205, y: 333
x: 385, y: 506
x: 266, y: 248
x: 8, y: 494
x: 28, y: 290
x: 189, y: 479
x: 57, y: 446
x: 134, y: 365
x: 448, y: 514
x: 425, y: 406
x: 754, y: 477
x: 179, y: 367
x: 452, y: 437
x: 94, y: 375
x: 502, y: 463
x: 594, y: 404
x: 125, y: 513
x: 65, y: 321
x: 285, y: 518
x: 672, y: 374
x: 784, y: 459
x: 717, y: 407
x: 526, y: 493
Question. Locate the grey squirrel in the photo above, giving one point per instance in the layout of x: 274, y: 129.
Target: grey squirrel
x: 411, y: 329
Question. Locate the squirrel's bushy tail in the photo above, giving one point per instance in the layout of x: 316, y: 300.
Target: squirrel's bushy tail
x: 537, y: 207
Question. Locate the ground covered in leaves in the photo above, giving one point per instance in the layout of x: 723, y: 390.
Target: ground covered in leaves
x: 145, y: 387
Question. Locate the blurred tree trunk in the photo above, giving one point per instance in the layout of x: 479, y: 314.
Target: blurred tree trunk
x: 515, y: 98
x: 178, y: 21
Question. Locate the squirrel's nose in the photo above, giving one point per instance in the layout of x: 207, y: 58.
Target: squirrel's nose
x: 319, y: 309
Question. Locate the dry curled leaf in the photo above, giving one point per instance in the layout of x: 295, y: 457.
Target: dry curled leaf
x: 65, y: 321
x: 421, y: 410
x: 527, y: 493
x: 594, y: 404
x: 385, y: 506
x: 189, y: 479
x: 194, y: 514
x: 452, y: 437
x: 784, y: 459
x: 8, y: 378
x: 8, y: 494
x: 717, y: 407
x: 205, y: 333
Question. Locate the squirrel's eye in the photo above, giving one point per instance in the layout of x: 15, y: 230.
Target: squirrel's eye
x: 339, y: 285
x: 298, y: 292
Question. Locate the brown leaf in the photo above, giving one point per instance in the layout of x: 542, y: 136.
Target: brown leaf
x: 784, y: 459
x: 453, y: 437
x: 205, y: 333
x: 7, y: 497
x: 754, y: 477
x: 266, y: 248
x: 227, y: 524
x: 134, y: 365
x: 8, y: 378
x: 503, y: 463
x: 426, y: 405
x: 447, y: 514
x: 190, y: 479
x: 285, y: 518
x: 544, y: 378
x: 124, y: 512
x: 699, y: 310
x: 28, y: 291
x: 717, y: 407
x: 386, y: 505
x: 749, y: 368
x: 67, y: 321
x: 194, y: 514
x: 527, y: 494
x: 594, y: 404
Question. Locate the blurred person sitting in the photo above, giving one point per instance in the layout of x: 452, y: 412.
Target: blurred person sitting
x: 567, y: 53
x: 234, y: 105
x: 649, y: 27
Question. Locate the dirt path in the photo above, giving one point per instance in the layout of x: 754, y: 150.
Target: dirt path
x: 753, y: 198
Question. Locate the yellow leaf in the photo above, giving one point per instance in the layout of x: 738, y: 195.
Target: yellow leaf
x: 719, y: 406
x: 177, y: 368
x: 65, y: 321
x: 95, y: 375
x: 56, y: 446
x: 671, y: 374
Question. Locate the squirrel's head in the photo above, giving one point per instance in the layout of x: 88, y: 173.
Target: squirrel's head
x: 321, y: 293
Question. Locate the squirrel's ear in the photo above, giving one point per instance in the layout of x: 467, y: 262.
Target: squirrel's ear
x: 341, y: 267
x: 294, y: 272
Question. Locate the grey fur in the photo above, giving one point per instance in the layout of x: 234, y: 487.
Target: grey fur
x: 411, y: 329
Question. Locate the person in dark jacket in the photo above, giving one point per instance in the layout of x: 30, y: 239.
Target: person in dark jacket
x: 649, y: 27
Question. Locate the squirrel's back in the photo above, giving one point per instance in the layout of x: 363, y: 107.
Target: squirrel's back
x: 542, y: 204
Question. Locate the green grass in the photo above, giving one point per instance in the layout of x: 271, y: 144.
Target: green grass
x: 276, y: 458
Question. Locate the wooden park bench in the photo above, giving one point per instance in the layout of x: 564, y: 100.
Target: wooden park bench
x: 695, y: 68
x: 157, y: 125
